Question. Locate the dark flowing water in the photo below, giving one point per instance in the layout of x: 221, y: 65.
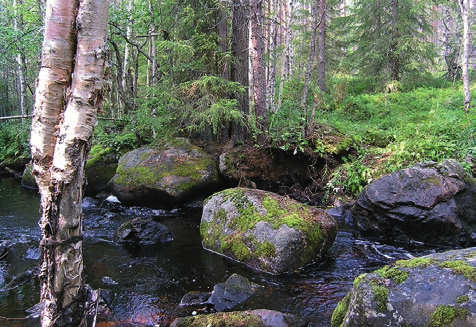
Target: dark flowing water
x: 149, y: 283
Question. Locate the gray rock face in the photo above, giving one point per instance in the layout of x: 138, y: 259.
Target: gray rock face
x: 166, y: 177
x: 266, y: 231
x: 435, y: 290
x: 141, y: 232
x: 428, y: 203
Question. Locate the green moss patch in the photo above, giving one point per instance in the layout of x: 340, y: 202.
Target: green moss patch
x: 462, y: 299
x: 340, y: 311
x: 237, y: 319
x: 415, y: 263
x: 460, y: 267
x: 396, y: 274
x: 445, y: 315
x: 380, y: 296
x: 359, y: 279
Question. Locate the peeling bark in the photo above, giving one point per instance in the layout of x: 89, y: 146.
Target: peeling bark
x: 63, y: 122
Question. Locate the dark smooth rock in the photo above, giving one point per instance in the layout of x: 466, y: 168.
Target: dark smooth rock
x: 430, y: 203
x: 234, y: 291
x: 142, y: 232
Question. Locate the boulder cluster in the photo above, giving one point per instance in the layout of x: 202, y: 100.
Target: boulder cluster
x: 431, y: 203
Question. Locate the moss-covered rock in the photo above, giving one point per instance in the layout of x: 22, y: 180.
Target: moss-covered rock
x: 164, y: 177
x: 27, y: 178
x: 266, y: 231
x: 431, y: 291
x: 255, y: 318
x: 100, y: 168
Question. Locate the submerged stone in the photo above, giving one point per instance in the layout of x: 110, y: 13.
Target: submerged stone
x: 266, y: 231
x: 235, y: 290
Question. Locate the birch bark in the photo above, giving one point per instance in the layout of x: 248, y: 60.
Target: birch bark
x: 465, y: 9
x: 62, y: 128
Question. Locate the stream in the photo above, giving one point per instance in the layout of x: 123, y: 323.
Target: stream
x: 148, y: 283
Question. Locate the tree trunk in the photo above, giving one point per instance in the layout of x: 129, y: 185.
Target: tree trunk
x: 20, y: 59
x: 271, y: 67
x: 126, y: 78
x: 222, y: 31
x: 259, y: 78
x: 240, y: 66
x: 465, y: 8
x: 393, y: 57
x: 286, y: 63
x: 322, y: 61
x: 62, y: 128
x: 312, y: 53
x: 152, y: 71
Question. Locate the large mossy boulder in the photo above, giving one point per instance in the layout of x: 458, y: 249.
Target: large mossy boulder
x: 431, y: 203
x: 434, y: 291
x: 266, y: 231
x: 254, y: 318
x: 100, y: 168
x: 164, y: 177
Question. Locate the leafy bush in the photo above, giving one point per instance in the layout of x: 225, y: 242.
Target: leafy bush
x: 14, y: 141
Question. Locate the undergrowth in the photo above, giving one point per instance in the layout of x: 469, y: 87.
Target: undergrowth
x: 394, y: 131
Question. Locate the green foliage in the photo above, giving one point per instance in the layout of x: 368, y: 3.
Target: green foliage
x: 349, y: 178
x: 208, y: 106
x: 387, y: 38
x: 397, y: 130
x: 14, y: 141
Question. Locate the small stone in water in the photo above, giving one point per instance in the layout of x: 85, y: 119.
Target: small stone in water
x: 108, y: 281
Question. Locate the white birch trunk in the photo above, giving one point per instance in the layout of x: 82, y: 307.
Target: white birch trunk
x: 63, y: 122
x: 465, y: 10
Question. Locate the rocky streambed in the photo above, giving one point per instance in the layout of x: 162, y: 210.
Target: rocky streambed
x: 146, y: 285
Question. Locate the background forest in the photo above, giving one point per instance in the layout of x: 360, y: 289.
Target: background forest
x: 387, y: 73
